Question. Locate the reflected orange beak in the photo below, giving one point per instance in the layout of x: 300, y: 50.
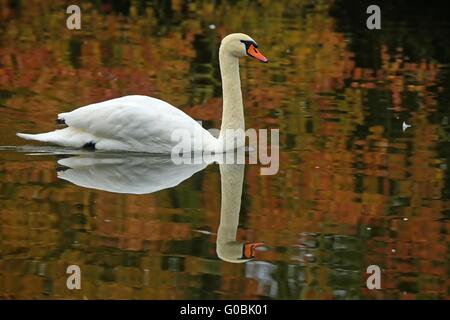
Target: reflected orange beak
x: 249, y: 249
x: 253, y: 52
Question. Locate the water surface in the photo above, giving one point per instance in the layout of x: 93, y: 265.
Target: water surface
x: 354, y: 188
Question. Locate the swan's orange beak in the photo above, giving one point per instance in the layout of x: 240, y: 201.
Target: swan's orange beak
x: 253, y: 52
x: 249, y: 249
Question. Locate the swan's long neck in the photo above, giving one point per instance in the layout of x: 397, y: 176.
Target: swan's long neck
x: 233, y: 110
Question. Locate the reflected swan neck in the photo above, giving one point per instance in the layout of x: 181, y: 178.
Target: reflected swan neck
x: 228, y: 248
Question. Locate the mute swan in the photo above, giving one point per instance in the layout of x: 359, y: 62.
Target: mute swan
x: 146, y: 124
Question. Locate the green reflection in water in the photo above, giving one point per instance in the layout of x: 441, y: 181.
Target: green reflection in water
x: 354, y: 189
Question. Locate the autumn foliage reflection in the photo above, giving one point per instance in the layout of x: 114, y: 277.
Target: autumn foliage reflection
x: 353, y: 188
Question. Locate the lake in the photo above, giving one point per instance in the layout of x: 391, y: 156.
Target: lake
x: 363, y: 178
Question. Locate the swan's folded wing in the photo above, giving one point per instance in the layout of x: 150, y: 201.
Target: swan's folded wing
x: 137, y: 121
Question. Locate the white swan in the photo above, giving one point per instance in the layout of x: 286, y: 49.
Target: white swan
x: 146, y: 124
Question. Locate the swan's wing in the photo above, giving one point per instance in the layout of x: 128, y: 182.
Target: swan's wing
x: 125, y: 173
x: 131, y: 122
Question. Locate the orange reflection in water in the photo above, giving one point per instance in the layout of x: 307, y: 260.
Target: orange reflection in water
x: 353, y: 189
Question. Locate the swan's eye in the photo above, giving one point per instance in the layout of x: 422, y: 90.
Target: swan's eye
x: 248, y: 44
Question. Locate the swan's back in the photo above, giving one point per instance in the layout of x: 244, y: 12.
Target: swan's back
x: 130, y: 123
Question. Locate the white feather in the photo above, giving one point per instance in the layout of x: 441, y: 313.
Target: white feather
x: 130, y: 123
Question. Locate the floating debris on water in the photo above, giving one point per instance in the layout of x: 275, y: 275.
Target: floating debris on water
x: 405, y: 126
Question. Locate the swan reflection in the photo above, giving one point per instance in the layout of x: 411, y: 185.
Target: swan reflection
x: 227, y: 247
x: 133, y: 174
x: 138, y: 174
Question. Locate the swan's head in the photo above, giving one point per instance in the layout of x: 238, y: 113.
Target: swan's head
x: 237, y: 252
x: 241, y: 45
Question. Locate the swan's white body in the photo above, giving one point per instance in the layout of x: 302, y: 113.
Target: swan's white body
x: 145, y: 124
x: 130, y: 123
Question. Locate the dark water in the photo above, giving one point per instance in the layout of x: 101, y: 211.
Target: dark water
x: 354, y: 188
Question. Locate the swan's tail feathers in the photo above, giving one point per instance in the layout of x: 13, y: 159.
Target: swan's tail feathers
x: 52, y: 137
x: 27, y: 136
x: 68, y: 137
